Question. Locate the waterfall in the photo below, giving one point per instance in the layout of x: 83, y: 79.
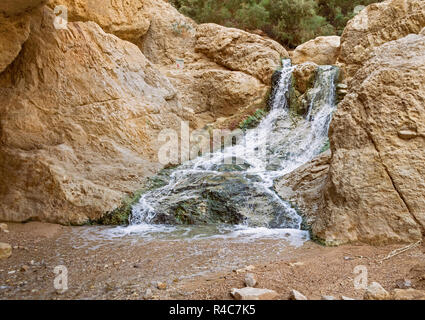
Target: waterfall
x: 209, y: 190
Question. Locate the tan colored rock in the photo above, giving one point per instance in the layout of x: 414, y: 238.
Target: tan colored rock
x: 376, y: 186
x: 80, y: 111
x: 376, y: 292
x: 249, y: 293
x: 207, y: 88
x: 240, y: 51
x: 408, y: 294
x: 128, y: 19
x: 377, y: 24
x: 5, y: 250
x: 305, y: 186
x: 321, y: 50
x: 3, y: 227
x: 18, y: 7
x: 304, y: 75
x: 15, y: 27
x: 296, y: 295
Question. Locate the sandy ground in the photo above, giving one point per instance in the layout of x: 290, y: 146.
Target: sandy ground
x: 101, y: 268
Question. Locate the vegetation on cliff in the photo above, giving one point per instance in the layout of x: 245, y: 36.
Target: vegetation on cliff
x: 291, y: 22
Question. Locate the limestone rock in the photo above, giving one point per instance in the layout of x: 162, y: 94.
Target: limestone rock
x: 15, y: 27
x: 5, y: 250
x: 80, y: 111
x: 408, y: 294
x: 321, y: 50
x: 253, y: 294
x: 377, y: 24
x: 305, y: 186
x: 250, y: 280
x: 376, y: 292
x: 296, y: 295
x: 304, y: 75
x: 207, y: 89
x: 240, y: 51
x: 128, y: 19
x: 376, y: 189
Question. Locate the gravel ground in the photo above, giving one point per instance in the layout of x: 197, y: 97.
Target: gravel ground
x: 124, y: 268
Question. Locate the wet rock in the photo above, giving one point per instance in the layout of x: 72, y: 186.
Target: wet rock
x: 376, y: 292
x: 250, y: 280
x: 296, y: 295
x: 249, y: 293
x: 5, y: 250
x: 408, y: 294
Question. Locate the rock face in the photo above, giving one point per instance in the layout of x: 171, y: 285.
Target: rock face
x: 217, y: 80
x: 304, y: 75
x: 126, y: 19
x: 304, y: 186
x: 80, y: 114
x: 240, y: 51
x: 376, y: 187
x: 376, y: 25
x: 15, y: 27
x: 322, y: 51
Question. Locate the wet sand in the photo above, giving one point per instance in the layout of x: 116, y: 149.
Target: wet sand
x: 104, y: 267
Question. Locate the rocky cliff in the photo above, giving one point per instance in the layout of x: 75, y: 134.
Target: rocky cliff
x: 81, y: 108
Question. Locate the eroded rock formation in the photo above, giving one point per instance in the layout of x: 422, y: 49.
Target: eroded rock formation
x: 376, y: 183
x: 378, y: 23
x: 322, y: 51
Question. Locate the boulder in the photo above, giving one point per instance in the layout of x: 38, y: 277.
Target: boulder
x: 249, y: 293
x: 305, y: 186
x: 377, y: 24
x: 80, y: 111
x: 240, y: 51
x: 5, y: 250
x: 304, y: 75
x: 321, y: 50
x: 376, y: 191
x: 128, y: 19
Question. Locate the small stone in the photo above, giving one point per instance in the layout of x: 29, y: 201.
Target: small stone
x: 24, y: 268
x: 403, y: 284
x: 408, y: 294
x: 137, y: 266
x: 296, y: 295
x: 348, y: 258
x: 3, y: 227
x: 296, y: 264
x: 250, y: 293
x: 5, y: 250
x: 161, y: 285
x: 328, y: 298
x: 246, y: 269
x: 347, y: 298
x: 407, y: 134
x: 250, y: 280
x: 376, y: 292
x: 148, y: 294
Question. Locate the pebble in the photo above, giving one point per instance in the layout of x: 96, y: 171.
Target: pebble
x: 24, y: 268
x: 250, y: 280
x: 404, y: 284
x: 5, y: 250
x: 4, y: 228
x: 347, y: 298
x: 161, y: 285
x: 148, y: 294
x: 328, y: 298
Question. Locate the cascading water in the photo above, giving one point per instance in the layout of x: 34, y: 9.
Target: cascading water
x: 213, y: 190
